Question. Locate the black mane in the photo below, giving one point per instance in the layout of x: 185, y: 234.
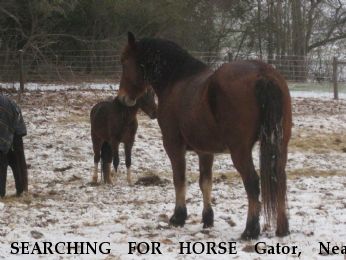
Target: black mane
x: 163, y: 61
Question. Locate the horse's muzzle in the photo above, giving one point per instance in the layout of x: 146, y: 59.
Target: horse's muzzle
x: 125, y: 100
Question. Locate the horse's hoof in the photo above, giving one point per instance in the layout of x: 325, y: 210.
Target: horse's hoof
x: 179, y: 217
x: 208, y: 225
x: 19, y: 193
x: 251, y: 231
x: 282, y: 228
x: 282, y: 233
x: 176, y: 222
x: 208, y: 218
x: 110, y: 182
x: 246, y: 235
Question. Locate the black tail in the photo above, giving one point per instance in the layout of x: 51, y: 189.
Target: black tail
x: 273, y: 177
x: 106, y: 157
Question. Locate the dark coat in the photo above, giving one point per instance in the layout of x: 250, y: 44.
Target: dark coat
x: 11, y: 123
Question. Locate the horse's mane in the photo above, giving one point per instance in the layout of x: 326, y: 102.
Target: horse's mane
x: 163, y: 61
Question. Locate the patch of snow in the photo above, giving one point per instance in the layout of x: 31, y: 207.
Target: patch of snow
x: 63, y: 206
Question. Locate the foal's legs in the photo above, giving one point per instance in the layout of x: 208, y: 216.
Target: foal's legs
x: 242, y: 160
x: 97, y: 144
x: 3, y: 173
x: 205, y: 183
x: 115, y: 160
x: 128, y: 149
x: 176, y: 154
x: 106, y: 161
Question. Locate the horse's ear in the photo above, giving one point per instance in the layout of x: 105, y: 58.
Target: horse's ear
x: 131, y: 39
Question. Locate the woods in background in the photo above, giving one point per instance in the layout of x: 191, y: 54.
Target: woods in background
x: 268, y: 29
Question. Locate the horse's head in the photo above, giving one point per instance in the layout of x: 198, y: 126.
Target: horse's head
x: 147, y: 103
x: 132, y: 83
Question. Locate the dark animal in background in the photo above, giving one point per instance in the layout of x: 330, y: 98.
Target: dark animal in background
x: 211, y: 112
x: 12, y: 129
x: 113, y: 123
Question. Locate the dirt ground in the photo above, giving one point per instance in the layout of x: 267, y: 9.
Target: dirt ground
x: 63, y: 205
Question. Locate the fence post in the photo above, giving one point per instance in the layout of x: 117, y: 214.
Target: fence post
x: 229, y: 57
x: 335, y: 78
x: 21, y: 71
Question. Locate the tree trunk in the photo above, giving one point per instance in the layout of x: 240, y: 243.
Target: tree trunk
x: 298, y: 41
x: 259, y: 27
x: 270, y: 29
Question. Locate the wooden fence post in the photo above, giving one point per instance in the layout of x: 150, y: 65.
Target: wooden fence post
x: 335, y: 78
x: 21, y: 71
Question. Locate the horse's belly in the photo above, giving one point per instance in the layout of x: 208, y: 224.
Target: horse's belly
x: 207, y: 143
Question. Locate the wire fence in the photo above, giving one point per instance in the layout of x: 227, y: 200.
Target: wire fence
x: 96, y: 66
x: 64, y: 66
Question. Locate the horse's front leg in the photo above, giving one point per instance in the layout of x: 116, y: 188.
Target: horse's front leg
x: 3, y: 173
x: 128, y: 150
x: 176, y: 153
x: 97, y: 144
x: 106, y: 158
x: 205, y: 183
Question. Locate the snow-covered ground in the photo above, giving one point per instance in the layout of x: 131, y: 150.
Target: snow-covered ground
x: 63, y: 206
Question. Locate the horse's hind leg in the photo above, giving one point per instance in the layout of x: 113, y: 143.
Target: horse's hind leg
x: 97, y: 144
x: 3, y: 173
x: 205, y: 183
x: 128, y: 150
x: 242, y: 160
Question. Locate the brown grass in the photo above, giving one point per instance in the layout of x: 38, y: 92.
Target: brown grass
x: 74, y: 118
x: 231, y: 177
x: 319, y: 143
x: 308, y: 172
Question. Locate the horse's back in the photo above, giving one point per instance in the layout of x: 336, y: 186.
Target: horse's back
x: 100, y: 117
x: 110, y: 120
x: 105, y: 110
x: 233, y: 89
x: 232, y: 75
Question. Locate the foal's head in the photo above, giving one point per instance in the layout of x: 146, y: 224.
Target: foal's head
x: 132, y: 83
x: 147, y: 103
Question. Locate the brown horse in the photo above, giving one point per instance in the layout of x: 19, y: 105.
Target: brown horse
x: 211, y: 112
x: 113, y: 123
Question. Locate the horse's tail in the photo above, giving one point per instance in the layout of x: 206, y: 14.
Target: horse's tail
x: 273, y: 177
x: 106, y: 158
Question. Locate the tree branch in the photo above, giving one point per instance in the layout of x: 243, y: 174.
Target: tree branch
x: 325, y: 41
